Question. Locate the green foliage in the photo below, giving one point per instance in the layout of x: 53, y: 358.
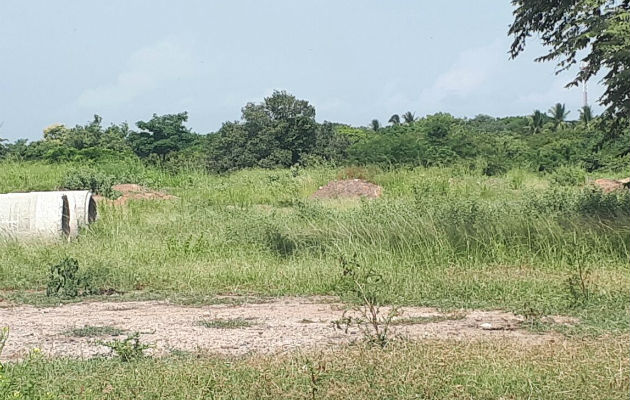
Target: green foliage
x: 279, y: 132
x: 161, y: 136
x: 600, y: 29
x: 128, y: 349
x: 89, y: 179
x: 65, y: 280
x: 568, y: 176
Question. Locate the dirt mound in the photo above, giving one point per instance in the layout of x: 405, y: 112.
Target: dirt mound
x: 348, y: 188
x: 137, y: 192
x: 610, y: 185
x: 267, y: 327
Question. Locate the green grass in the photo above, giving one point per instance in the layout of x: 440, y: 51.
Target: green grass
x: 443, y: 237
x: 94, y: 331
x: 231, y: 323
x: 582, y: 369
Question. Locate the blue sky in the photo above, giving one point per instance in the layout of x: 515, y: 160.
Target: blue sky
x: 64, y: 61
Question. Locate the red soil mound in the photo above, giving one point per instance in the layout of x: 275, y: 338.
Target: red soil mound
x: 133, y: 191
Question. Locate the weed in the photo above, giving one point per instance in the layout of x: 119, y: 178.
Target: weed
x: 316, y: 373
x: 127, y: 349
x: 233, y: 323
x: 366, y: 284
x: 580, y: 286
x: 94, y: 331
x: 64, y: 280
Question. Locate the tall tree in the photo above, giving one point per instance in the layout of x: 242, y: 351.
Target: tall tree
x: 558, y: 114
x: 375, y: 125
x: 394, y: 120
x: 409, y: 117
x: 161, y: 135
x: 599, y: 29
x: 537, y: 121
x: 586, y: 115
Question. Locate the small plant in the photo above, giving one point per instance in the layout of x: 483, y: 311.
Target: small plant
x: 94, y: 331
x: 366, y: 285
x: 64, y: 280
x: 4, y: 335
x: 234, y: 323
x: 580, y: 285
x: 127, y: 349
x: 316, y: 373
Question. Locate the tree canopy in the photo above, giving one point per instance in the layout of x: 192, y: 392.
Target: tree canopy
x: 596, y: 32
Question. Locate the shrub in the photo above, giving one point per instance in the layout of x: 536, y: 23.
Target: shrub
x: 568, y: 176
x: 127, y: 349
x: 94, y: 181
x: 65, y: 280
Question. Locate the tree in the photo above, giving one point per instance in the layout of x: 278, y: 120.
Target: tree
x: 275, y: 133
x: 409, y: 117
x: 394, y: 120
x: 161, y: 135
x: 558, y: 114
x: 586, y: 115
x: 600, y: 29
x: 375, y: 125
x: 537, y: 121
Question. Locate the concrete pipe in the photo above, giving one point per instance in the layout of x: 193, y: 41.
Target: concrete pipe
x: 42, y: 215
x: 82, y: 208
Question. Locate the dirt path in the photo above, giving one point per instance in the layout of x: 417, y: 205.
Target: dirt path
x: 277, y: 326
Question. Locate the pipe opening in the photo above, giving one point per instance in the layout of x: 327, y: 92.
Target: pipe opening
x: 92, y: 213
x: 65, y: 216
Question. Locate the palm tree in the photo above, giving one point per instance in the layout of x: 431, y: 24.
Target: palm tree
x: 375, y: 125
x: 537, y: 121
x: 409, y: 117
x: 586, y: 114
x: 558, y: 114
x: 394, y: 119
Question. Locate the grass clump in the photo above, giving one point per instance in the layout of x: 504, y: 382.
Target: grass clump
x: 94, y: 331
x: 127, y: 349
x: 232, y: 323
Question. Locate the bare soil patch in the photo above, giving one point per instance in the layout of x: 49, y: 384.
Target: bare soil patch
x: 273, y: 327
x: 348, y: 188
x: 610, y: 185
x: 138, y: 192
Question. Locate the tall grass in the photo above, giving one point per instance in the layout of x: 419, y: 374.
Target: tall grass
x: 442, y: 237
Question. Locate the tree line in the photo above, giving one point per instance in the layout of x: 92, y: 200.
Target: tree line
x: 281, y: 131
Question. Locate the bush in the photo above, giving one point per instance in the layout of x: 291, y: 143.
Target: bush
x: 568, y: 176
x: 94, y: 181
x: 65, y: 280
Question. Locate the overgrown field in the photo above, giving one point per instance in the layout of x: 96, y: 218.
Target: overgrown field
x: 439, y: 237
x: 445, y: 237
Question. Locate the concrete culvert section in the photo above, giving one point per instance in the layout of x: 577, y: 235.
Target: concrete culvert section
x: 83, y: 209
x: 44, y: 215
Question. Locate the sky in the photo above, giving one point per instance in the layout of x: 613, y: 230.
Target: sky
x: 355, y: 60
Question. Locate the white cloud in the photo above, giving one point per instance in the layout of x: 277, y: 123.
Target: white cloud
x: 146, y: 69
x: 472, y: 69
